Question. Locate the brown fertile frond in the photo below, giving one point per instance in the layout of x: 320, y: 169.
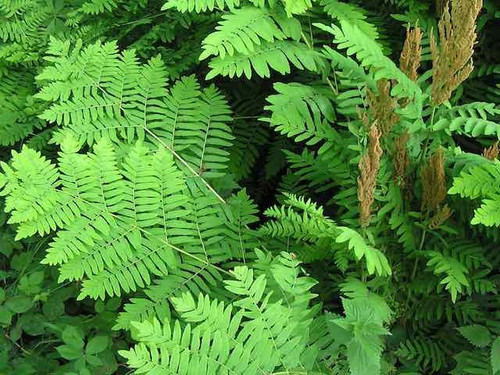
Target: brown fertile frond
x: 433, y: 183
x: 411, y: 56
x: 401, y: 160
x: 452, y: 59
x: 440, y: 6
x: 363, y: 116
x: 382, y: 107
x: 440, y: 217
x: 491, y: 152
x: 368, y: 167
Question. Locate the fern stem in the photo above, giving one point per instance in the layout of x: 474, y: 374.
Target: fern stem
x: 188, y: 254
x: 432, y: 115
x: 306, y: 41
x: 311, y: 47
x: 16, y: 344
x: 420, y: 247
x: 185, y: 163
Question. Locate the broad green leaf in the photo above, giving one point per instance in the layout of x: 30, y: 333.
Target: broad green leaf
x: 19, y: 304
x: 94, y: 360
x: 476, y: 334
x: 97, y: 344
x: 69, y: 352
x: 73, y: 336
x: 5, y: 316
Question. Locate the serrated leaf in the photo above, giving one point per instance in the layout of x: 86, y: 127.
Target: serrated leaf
x: 476, y: 334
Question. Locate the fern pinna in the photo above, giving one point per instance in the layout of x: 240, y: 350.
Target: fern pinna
x: 249, y: 187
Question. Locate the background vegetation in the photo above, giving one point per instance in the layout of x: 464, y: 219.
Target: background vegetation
x: 249, y: 187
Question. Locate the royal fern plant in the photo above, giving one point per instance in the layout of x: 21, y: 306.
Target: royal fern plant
x: 249, y: 187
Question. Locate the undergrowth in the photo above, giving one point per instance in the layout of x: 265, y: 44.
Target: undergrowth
x: 249, y: 187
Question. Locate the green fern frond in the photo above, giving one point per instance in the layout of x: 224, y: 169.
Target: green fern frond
x: 303, y: 113
x: 249, y: 336
x: 356, y: 43
x: 376, y: 262
x: 472, y: 119
x: 472, y: 361
x: 30, y: 185
x: 478, y: 182
x: 249, y: 136
x: 425, y: 353
x: 243, y: 29
x: 309, y: 225
x: 322, y: 172
x: 21, y: 21
x: 99, y: 93
x: 455, y: 272
x: 17, y: 107
x: 191, y: 276
x: 199, y: 6
x: 204, y: 146
x: 121, y: 224
x: 297, y: 6
x: 279, y: 56
x: 302, y: 220
x: 98, y: 6
x: 351, y: 13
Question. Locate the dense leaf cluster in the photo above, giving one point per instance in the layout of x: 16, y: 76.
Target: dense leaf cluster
x: 249, y: 187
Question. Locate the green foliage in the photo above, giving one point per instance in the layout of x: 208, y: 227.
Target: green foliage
x: 279, y: 56
x: 246, y: 187
x: 477, y: 335
x: 250, y: 335
x: 478, y: 182
x: 471, y: 119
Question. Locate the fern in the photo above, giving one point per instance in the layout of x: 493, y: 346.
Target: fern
x: 99, y: 94
x: 98, y: 6
x: 249, y: 137
x: 455, y: 279
x: 470, y: 119
x: 370, y: 55
x: 477, y: 183
x: 17, y: 120
x: 120, y: 226
x: 425, y: 354
x: 199, y: 6
x: 278, y: 56
x: 311, y: 225
x: 302, y: 112
x: 229, y: 332
x: 351, y: 13
x: 21, y: 20
x: 297, y: 6
x: 243, y: 29
x: 190, y: 277
x: 142, y: 190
